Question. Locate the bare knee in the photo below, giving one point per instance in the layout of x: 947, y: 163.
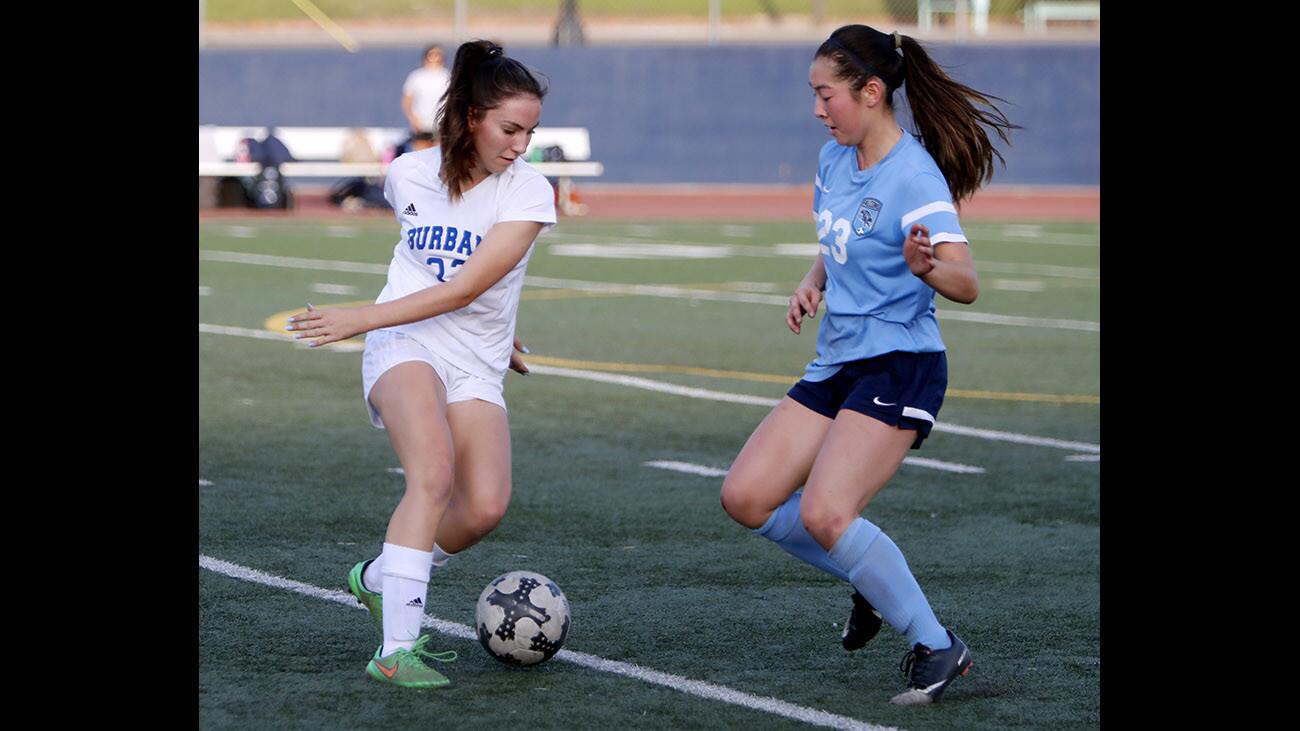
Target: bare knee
x: 483, y: 514
x: 825, y: 522
x: 739, y: 500
x: 431, y: 481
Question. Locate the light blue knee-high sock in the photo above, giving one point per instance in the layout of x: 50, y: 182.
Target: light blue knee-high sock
x: 879, y: 572
x: 786, y: 530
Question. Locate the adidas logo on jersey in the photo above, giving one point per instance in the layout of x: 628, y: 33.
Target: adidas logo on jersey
x: 410, y: 210
x: 416, y: 602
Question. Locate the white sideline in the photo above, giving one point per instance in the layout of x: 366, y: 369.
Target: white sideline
x: 699, y: 469
x: 346, y: 346
x: 700, y: 688
x: 703, y: 393
x: 699, y: 393
x: 668, y: 291
x: 686, y: 467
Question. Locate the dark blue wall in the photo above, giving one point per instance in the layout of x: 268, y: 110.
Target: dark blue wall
x: 680, y: 114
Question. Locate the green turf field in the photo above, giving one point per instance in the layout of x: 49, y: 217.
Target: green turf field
x: 257, y: 10
x: 296, y: 484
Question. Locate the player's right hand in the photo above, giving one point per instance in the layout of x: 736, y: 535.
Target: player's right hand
x: 803, y: 302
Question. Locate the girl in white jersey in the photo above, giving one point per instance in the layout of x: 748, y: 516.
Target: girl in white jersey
x: 440, y: 337
x: 884, y: 206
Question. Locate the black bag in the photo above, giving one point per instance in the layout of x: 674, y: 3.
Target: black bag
x: 268, y: 190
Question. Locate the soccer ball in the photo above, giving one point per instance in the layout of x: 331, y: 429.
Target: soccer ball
x: 522, y: 618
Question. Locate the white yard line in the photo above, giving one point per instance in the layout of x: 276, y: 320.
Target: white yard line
x: 699, y: 469
x: 710, y: 395
x: 641, y: 251
x: 698, y: 393
x: 244, y: 332
x: 1018, y: 285
x: 687, y: 468
x: 291, y: 262
x: 1036, y: 234
x: 328, y: 288
x: 934, y: 464
x: 652, y: 385
x: 648, y: 290
x: 673, y: 292
x: 699, y: 688
x: 1006, y: 267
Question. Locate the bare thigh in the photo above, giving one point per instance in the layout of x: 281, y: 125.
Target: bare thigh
x: 411, y: 400
x: 413, y: 404
x: 774, y: 462
x: 858, y: 458
x: 481, y: 492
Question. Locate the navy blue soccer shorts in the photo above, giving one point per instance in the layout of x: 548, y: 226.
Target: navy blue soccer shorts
x: 901, y: 389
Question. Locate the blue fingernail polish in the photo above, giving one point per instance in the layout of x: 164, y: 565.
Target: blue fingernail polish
x: 525, y: 349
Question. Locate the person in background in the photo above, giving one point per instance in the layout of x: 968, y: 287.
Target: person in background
x: 361, y: 192
x: 421, y: 93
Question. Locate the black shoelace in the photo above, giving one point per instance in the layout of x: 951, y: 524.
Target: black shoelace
x: 909, y: 662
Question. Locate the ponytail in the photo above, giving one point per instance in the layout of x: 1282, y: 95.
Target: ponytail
x: 949, y: 124
x: 482, y: 77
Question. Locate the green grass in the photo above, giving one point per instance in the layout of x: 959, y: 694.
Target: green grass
x: 340, y: 10
x: 656, y: 573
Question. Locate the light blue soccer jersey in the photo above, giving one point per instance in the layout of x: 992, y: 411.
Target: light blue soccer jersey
x: 874, y: 304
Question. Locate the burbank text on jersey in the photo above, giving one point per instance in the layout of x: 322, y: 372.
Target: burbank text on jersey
x: 454, y: 244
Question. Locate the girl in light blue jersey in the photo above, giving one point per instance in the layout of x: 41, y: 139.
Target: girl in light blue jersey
x: 889, y: 238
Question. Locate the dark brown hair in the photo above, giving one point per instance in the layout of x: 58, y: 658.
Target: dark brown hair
x: 482, y: 77
x: 950, y: 125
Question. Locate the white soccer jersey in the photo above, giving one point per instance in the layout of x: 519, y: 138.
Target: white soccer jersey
x: 438, y: 236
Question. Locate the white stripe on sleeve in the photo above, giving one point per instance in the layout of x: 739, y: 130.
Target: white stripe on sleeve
x: 927, y: 209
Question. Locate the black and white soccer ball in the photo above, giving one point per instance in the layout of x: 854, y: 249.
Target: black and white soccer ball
x: 522, y: 618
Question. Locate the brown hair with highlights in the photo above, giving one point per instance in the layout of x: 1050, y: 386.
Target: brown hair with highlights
x: 482, y: 77
x: 945, y: 112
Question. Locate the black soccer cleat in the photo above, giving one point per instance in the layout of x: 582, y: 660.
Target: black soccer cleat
x: 930, y: 671
x: 863, y: 624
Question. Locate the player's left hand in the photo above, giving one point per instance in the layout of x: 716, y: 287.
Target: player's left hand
x: 516, y: 362
x: 323, y: 327
x: 918, y: 251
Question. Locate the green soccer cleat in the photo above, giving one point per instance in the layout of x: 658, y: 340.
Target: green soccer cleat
x: 373, y: 601
x: 406, y: 667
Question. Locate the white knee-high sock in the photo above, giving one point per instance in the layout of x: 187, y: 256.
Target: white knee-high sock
x: 406, y: 584
x: 372, y: 578
x: 441, y: 557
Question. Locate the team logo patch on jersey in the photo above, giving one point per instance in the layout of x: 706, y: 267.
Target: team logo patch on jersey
x: 866, y: 216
